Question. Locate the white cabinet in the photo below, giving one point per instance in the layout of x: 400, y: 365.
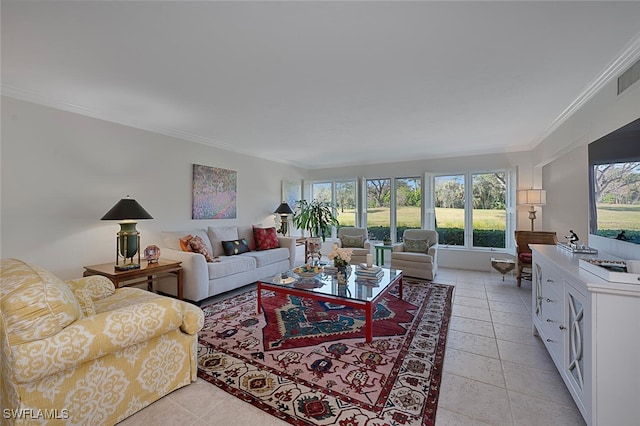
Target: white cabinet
x: 591, y: 328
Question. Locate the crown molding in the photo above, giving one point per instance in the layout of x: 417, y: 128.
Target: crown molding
x: 627, y: 57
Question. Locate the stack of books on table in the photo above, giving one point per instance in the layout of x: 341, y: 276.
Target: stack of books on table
x: 371, y: 274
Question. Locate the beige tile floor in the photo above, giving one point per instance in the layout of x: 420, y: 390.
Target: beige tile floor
x: 495, y: 371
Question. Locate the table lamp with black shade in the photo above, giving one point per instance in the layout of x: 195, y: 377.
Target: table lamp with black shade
x: 127, y: 211
x: 284, y: 210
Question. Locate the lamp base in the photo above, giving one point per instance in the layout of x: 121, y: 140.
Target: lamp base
x: 284, y: 225
x: 532, y: 216
x: 127, y: 246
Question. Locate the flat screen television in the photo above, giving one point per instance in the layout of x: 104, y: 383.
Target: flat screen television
x: 614, y: 199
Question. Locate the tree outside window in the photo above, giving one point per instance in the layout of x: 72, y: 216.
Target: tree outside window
x: 489, y: 210
x: 449, y: 206
x: 379, y: 208
x: 408, y: 205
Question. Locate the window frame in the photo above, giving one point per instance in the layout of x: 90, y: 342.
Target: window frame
x: 510, y: 212
x: 427, y: 213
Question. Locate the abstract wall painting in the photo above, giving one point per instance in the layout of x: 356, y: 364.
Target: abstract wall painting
x: 214, y: 193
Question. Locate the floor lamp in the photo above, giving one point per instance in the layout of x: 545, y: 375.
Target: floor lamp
x: 532, y: 197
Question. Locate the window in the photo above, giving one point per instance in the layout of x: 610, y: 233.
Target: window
x: 469, y: 210
x: 346, y: 203
x: 476, y: 202
x: 408, y: 204
x: 449, y: 192
x: 340, y: 194
x: 379, y: 208
x: 489, y: 215
x: 321, y: 191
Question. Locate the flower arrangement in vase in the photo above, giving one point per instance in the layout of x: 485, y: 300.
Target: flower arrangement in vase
x: 341, y: 258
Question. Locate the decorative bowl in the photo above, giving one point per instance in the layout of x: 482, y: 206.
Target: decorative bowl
x: 307, y: 271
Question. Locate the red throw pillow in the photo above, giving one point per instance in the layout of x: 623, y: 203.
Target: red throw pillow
x: 266, y: 238
x: 526, y: 257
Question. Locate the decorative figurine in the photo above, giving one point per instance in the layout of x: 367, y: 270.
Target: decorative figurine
x: 572, y: 237
x: 152, y: 254
x: 622, y: 237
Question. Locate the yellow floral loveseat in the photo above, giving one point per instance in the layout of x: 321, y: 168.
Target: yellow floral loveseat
x: 83, y: 353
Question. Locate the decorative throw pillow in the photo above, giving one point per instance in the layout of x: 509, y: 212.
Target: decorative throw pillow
x: 98, y: 286
x: 416, y: 246
x: 219, y: 234
x: 184, y: 242
x: 266, y: 238
x: 197, y: 245
x: 86, y: 302
x: 235, y: 247
x: 355, y: 241
x: 526, y: 257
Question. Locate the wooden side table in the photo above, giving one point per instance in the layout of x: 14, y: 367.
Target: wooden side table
x: 148, y: 273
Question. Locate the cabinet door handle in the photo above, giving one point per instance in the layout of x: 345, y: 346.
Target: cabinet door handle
x: 562, y: 327
x: 549, y: 300
x: 549, y: 320
x: 550, y: 341
x: 549, y: 280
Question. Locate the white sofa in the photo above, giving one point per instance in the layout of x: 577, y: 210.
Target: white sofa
x: 202, y: 279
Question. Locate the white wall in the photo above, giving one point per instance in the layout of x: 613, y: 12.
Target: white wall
x: 61, y: 172
x: 564, y: 154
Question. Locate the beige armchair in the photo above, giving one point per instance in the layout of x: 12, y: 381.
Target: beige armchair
x: 358, y: 240
x: 417, y: 256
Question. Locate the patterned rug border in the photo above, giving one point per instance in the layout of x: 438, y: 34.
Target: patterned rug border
x: 432, y: 395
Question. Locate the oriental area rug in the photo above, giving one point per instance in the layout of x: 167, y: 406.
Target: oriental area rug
x: 307, y: 362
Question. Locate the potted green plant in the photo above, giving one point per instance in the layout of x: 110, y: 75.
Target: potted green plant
x: 316, y: 216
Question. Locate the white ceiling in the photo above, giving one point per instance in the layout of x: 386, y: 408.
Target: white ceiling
x: 322, y: 84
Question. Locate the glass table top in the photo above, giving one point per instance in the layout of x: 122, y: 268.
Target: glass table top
x: 326, y: 283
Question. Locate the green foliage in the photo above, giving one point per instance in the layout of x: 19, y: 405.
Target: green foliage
x: 632, y: 236
x: 378, y: 233
x: 451, y: 236
x: 346, y: 195
x: 317, y: 217
x: 481, y: 237
x: 408, y: 193
x: 489, y: 238
x: 378, y: 193
x: 617, y: 183
x: 488, y: 191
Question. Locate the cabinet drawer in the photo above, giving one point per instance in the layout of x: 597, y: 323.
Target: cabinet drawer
x: 552, y: 318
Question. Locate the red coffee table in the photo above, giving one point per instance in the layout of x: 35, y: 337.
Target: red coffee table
x: 355, y: 293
